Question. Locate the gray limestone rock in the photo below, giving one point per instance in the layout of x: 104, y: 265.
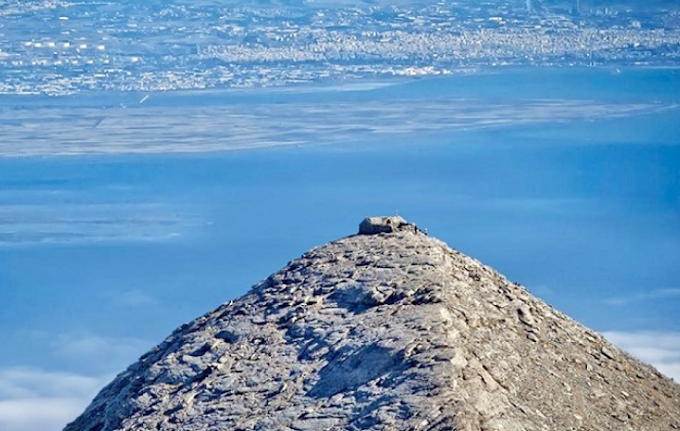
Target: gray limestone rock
x: 395, y: 331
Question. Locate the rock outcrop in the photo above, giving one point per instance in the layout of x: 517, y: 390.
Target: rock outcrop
x: 389, y: 331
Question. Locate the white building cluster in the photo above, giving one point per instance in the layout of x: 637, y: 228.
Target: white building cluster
x: 58, y: 47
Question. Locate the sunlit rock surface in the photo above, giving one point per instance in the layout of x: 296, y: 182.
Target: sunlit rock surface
x: 387, y: 331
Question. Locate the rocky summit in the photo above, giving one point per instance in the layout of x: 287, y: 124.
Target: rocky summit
x: 386, y: 330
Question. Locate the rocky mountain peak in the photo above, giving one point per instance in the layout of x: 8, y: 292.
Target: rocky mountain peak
x: 387, y: 330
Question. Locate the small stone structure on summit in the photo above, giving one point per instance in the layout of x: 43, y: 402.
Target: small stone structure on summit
x: 386, y: 224
x: 387, y: 330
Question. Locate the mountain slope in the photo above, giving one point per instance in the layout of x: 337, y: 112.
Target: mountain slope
x: 385, y: 331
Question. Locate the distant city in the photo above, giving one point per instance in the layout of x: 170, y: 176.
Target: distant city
x: 58, y: 47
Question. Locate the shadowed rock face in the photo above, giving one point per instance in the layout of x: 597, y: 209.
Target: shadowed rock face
x: 389, y: 331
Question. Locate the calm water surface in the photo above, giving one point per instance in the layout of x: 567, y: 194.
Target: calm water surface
x: 566, y: 181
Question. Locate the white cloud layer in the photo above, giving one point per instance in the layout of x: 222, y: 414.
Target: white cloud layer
x: 52, y: 221
x: 33, y: 399
x: 39, y: 414
x: 134, y: 298
x: 660, y: 349
x: 225, y: 127
x: 645, y: 296
x: 111, y: 353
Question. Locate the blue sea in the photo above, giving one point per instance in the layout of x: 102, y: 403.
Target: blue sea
x: 566, y: 180
x: 125, y: 215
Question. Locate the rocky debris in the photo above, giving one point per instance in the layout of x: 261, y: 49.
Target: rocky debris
x: 394, y: 331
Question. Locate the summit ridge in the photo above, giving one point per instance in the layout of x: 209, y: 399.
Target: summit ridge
x: 391, y: 330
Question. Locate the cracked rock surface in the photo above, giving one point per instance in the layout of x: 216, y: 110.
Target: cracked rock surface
x: 388, y: 331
